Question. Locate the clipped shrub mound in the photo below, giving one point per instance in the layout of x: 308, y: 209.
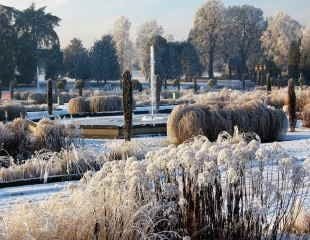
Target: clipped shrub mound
x: 10, y: 111
x: 95, y: 104
x: 51, y: 136
x: 105, y: 103
x: 187, y: 121
x: 78, y: 105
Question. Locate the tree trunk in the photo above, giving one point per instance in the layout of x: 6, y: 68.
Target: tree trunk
x: 50, y: 97
x: 292, y: 105
x: 127, y: 104
x: 211, y: 62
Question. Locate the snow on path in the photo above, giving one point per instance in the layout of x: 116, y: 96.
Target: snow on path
x: 29, y: 194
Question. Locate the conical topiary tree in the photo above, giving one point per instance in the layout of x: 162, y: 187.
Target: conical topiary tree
x: 292, y: 105
x: 50, y: 96
x: 127, y: 104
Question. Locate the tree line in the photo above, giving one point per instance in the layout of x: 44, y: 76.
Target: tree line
x: 232, y: 39
x: 240, y: 37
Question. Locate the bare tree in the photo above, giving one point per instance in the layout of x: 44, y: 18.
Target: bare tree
x: 121, y: 37
x: 145, y: 33
x: 207, y: 31
x: 281, y: 31
x: 243, y: 28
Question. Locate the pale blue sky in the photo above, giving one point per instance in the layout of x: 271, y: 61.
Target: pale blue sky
x: 90, y: 19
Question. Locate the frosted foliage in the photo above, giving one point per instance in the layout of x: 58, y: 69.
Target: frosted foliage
x: 145, y: 33
x: 169, y: 195
x: 208, y: 25
x: 124, y: 46
x: 305, y: 43
x: 281, y: 31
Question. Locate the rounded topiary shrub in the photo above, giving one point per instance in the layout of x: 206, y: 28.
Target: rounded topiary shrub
x: 105, y: 103
x: 78, y: 105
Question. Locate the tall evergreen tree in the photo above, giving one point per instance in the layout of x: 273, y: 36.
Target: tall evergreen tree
x: 36, y: 30
x: 54, y: 63
x: 39, y: 25
x: 104, y: 61
x: 76, y: 60
x: 26, y: 59
x: 7, y: 49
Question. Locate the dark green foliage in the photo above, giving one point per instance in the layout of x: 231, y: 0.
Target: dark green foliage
x: 36, y: 31
x: 54, y: 62
x: 127, y: 104
x: 104, y: 61
x: 7, y: 49
x: 50, y: 96
x: 191, y: 66
x: 26, y: 57
x: 161, y: 57
x: 174, y: 56
x: 292, y: 105
x: 76, y: 60
x: 39, y: 25
x: 294, y: 60
x: 173, y: 60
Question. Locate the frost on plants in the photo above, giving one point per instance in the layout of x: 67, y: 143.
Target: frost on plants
x: 229, y: 189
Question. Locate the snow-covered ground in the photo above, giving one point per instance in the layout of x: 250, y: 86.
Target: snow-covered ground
x: 29, y: 194
x: 116, y: 120
x: 62, y: 110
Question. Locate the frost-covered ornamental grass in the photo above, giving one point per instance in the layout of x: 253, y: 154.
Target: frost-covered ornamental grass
x: 19, y: 139
x: 73, y: 160
x: 229, y: 189
x: 186, y: 121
